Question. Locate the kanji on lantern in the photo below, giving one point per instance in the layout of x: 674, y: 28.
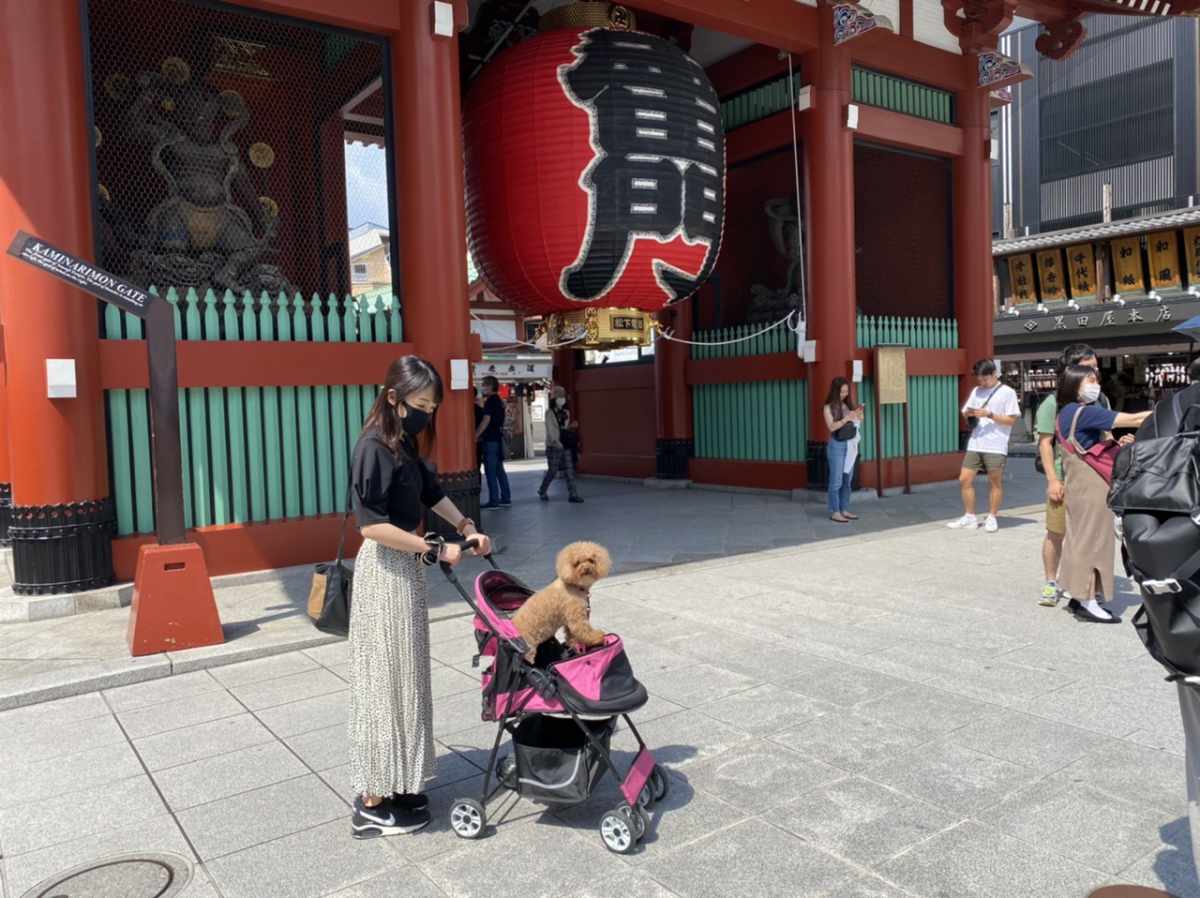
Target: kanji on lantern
x: 595, y: 172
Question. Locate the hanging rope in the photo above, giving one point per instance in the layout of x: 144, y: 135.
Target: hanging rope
x: 667, y: 333
x: 796, y: 174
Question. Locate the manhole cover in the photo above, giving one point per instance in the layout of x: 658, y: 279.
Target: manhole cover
x: 144, y: 875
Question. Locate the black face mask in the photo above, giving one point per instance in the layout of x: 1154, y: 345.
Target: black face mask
x: 414, y: 420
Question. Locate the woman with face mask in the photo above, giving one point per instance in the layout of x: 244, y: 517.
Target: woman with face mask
x: 558, y: 455
x: 1086, y: 569
x: 391, y: 705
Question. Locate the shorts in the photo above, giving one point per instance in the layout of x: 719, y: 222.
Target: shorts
x: 984, y: 461
x: 1056, y: 518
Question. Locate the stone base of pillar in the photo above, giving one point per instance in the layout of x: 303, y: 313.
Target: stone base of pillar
x: 5, y: 513
x: 463, y: 490
x: 671, y: 459
x: 818, y: 468
x: 62, y: 548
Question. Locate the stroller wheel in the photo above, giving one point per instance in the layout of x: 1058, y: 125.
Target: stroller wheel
x: 622, y: 828
x: 467, y: 818
x: 659, y: 782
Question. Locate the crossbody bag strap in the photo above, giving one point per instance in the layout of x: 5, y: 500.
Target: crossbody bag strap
x: 1079, y: 450
x: 346, y: 516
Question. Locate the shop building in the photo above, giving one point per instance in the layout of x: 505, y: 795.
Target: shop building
x: 200, y: 148
x: 1122, y: 287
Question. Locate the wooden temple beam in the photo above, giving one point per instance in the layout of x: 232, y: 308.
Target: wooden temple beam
x: 785, y: 24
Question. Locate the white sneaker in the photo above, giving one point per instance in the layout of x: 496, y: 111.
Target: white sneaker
x: 966, y: 522
x: 991, y: 525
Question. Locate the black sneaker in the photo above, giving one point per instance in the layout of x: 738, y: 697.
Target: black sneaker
x: 490, y: 506
x: 385, y: 819
x: 575, y: 500
x: 506, y: 503
x: 407, y: 802
x: 543, y: 497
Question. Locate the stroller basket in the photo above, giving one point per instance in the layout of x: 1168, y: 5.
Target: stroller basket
x: 555, y: 762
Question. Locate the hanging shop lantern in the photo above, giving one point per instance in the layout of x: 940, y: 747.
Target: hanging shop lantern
x: 595, y: 177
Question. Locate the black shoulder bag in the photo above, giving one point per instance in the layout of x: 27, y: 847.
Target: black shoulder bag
x: 329, y: 596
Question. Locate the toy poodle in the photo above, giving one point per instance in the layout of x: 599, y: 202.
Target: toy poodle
x: 565, y: 603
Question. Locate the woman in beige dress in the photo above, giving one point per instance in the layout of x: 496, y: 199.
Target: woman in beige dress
x: 1090, y: 544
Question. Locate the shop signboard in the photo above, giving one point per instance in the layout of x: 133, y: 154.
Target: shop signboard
x: 1164, y: 260
x: 1191, y: 244
x: 1082, y: 265
x: 1021, y: 280
x: 1098, y: 321
x: 1127, y: 265
x: 1050, y: 275
x: 891, y: 374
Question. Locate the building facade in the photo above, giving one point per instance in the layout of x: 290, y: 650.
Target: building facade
x: 200, y: 148
x: 1123, y: 109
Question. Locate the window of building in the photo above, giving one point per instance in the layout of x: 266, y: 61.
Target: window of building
x: 1110, y: 122
x: 360, y: 271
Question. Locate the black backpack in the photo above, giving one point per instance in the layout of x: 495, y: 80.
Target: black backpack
x: 1156, y: 492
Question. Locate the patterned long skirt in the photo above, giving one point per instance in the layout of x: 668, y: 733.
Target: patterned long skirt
x: 391, y: 700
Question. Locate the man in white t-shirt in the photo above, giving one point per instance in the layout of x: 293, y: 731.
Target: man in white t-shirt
x: 993, y: 409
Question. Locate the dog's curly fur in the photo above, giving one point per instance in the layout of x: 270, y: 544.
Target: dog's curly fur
x: 565, y: 602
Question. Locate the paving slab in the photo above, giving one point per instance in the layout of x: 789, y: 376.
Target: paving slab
x: 752, y: 860
x: 200, y: 782
x: 758, y: 776
x: 261, y: 815
x: 975, y: 861
x: 862, y: 821
x: 958, y: 779
x: 77, y: 814
x: 850, y: 741
x: 202, y: 740
x: 306, y: 864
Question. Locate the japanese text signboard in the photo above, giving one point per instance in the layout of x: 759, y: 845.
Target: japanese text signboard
x: 1127, y: 265
x: 1191, y: 243
x: 1082, y: 266
x: 1164, y: 259
x: 1021, y: 279
x: 1051, y: 276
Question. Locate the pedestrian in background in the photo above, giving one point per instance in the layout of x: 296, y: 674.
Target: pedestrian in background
x: 557, y: 457
x: 991, y: 411
x: 842, y: 418
x: 478, y: 421
x: 1089, y: 545
x: 391, y: 698
x: 490, y: 432
x: 1052, y: 467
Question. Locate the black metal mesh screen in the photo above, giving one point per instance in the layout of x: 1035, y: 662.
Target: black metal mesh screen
x: 237, y: 150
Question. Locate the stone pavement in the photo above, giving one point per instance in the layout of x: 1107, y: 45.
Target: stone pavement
x: 878, y: 710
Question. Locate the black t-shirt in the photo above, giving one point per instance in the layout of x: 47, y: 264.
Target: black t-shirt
x: 493, y: 407
x: 390, y: 490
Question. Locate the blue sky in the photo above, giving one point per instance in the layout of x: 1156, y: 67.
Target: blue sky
x: 366, y: 185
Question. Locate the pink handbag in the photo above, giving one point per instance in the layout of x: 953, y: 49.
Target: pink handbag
x: 1100, y: 457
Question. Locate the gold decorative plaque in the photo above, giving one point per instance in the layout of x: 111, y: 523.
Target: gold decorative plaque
x: 261, y: 154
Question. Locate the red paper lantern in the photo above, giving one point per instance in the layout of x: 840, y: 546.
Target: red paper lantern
x: 595, y: 172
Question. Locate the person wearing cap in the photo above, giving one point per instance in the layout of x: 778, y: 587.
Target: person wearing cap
x: 991, y: 411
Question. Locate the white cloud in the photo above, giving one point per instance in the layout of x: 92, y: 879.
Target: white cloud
x: 366, y: 185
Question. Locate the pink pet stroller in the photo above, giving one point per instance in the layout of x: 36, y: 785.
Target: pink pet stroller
x: 560, y: 712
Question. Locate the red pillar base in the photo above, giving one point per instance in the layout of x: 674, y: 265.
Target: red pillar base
x: 173, y: 603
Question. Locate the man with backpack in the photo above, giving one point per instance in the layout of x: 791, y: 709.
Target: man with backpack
x: 1052, y: 466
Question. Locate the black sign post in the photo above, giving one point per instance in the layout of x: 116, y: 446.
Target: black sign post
x: 160, y: 344
x: 173, y: 603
